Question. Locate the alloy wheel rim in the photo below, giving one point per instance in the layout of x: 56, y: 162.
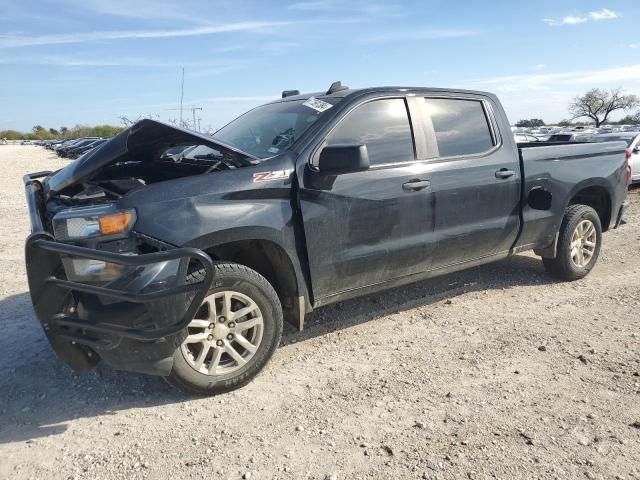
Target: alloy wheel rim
x: 224, y: 334
x: 583, y: 243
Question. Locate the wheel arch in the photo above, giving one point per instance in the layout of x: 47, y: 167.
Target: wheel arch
x: 263, y: 250
x: 596, y: 195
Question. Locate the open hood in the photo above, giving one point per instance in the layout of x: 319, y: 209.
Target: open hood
x: 144, y: 141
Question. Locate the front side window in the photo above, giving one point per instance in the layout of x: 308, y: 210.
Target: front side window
x: 460, y: 126
x: 381, y: 125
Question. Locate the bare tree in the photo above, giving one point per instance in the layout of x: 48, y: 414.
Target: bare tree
x: 598, y: 104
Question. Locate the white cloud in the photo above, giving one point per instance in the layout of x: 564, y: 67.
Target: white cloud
x: 569, y: 20
x: 617, y: 75
x: 634, y: 45
x: 255, y: 98
x: 133, y: 62
x: 9, y: 41
x: 603, y: 14
x: 138, y: 9
x: 312, y: 5
x: 539, y: 66
x: 546, y: 95
x: 410, y: 35
x: 355, y: 7
x: 573, y: 20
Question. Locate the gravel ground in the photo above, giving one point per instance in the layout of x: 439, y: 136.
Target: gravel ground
x: 495, y: 372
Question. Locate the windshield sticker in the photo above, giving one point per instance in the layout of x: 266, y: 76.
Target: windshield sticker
x: 273, y: 150
x: 317, y: 105
x: 268, y: 176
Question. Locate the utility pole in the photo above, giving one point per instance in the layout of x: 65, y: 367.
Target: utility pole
x: 181, y: 95
x: 193, y: 109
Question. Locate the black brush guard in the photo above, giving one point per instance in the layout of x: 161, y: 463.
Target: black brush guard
x: 122, y: 343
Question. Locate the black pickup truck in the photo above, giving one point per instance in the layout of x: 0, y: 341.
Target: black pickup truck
x: 184, y: 262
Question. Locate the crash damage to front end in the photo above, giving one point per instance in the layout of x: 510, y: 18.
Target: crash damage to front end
x: 101, y: 290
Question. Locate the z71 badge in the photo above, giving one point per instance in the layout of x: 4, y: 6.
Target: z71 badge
x: 267, y: 176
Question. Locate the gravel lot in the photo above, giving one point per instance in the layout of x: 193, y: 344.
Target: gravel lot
x: 496, y: 372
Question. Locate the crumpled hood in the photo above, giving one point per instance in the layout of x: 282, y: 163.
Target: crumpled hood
x: 142, y: 142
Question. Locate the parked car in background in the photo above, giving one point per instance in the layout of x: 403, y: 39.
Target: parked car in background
x: 53, y: 143
x: 66, y: 150
x: 632, y: 139
x: 568, y: 137
x: 65, y: 144
x: 79, y: 150
x: 525, y: 138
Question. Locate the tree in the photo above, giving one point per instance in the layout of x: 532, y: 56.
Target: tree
x: 11, y: 135
x: 564, y: 123
x: 633, y: 119
x: 531, y: 123
x: 598, y: 104
x: 54, y: 132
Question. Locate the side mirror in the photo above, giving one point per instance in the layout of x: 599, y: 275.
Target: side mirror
x: 338, y: 159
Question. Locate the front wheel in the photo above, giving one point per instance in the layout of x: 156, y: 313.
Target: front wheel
x: 579, y: 243
x: 233, y: 334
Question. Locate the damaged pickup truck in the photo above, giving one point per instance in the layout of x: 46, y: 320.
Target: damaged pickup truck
x: 173, y: 253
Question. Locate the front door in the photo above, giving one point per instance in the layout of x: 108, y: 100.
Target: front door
x: 368, y: 227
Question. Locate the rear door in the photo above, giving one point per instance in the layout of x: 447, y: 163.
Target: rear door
x: 368, y: 227
x: 475, y: 180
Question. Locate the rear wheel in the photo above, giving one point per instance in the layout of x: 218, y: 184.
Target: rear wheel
x: 579, y: 243
x: 233, y: 334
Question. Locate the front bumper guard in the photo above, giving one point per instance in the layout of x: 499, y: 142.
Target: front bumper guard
x: 183, y: 254
x: 135, y: 329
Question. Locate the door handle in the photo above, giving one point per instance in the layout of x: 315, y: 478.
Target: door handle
x: 415, y: 185
x: 505, y: 173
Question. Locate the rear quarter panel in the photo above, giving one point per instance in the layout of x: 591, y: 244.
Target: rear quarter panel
x: 565, y: 170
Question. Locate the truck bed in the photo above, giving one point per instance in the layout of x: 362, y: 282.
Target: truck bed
x: 560, y: 170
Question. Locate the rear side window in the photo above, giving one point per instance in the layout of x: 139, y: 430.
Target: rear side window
x: 381, y: 125
x: 460, y: 126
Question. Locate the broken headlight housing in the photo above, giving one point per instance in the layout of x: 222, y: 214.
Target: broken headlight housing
x: 90, y: 222
x: 92, y: 225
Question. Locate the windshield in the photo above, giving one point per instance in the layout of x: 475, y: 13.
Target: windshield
x: 273, y: 128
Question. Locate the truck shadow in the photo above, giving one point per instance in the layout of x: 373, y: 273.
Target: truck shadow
x: 515, y: 271
x: 39, y: 395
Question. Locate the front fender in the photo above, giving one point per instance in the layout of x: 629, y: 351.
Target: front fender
x: 285, y: 241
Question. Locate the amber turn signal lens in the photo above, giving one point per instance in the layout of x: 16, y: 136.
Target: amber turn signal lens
x: 116, y: 223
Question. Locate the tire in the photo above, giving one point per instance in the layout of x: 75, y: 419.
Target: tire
x: 568, y: 265
x: 220, y: 371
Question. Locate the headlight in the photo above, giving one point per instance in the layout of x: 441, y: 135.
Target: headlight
x: 91, y: 222
x: 85, y: 270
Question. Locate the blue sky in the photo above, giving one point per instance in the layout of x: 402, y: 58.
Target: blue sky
x: 90, y: 61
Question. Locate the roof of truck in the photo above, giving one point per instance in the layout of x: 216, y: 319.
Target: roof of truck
x: 347, y: 92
